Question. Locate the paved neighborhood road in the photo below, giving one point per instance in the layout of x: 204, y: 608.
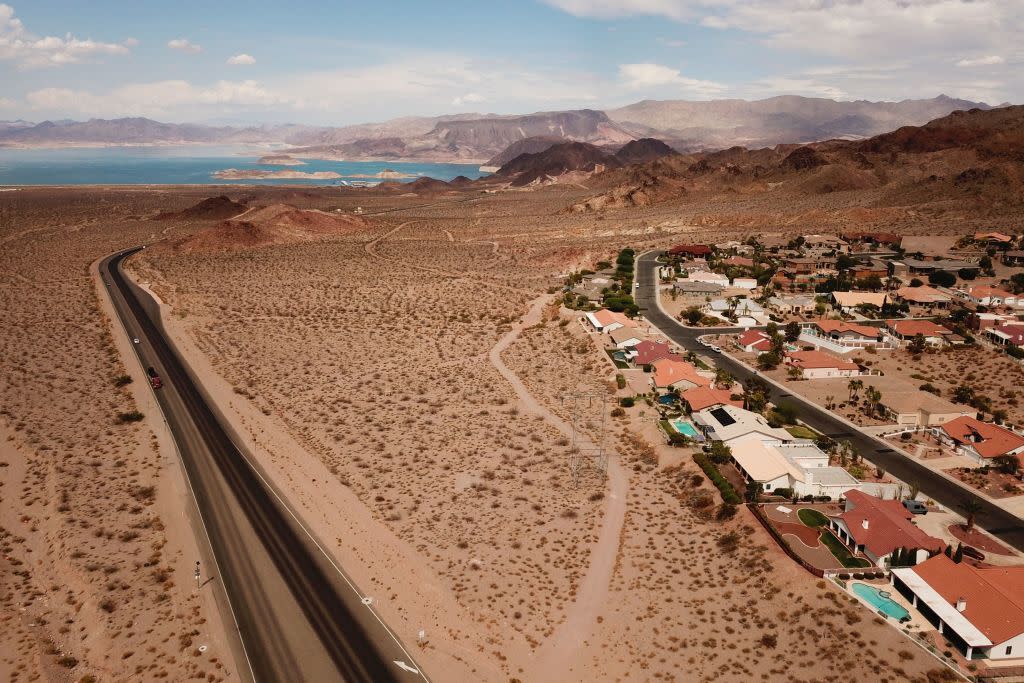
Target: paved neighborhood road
x: 298, y: 616
x: 999, y: 522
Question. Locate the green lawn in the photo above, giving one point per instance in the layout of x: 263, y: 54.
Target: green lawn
x: 811, y: 518
x: 801, y: 432
x: 841, y: 552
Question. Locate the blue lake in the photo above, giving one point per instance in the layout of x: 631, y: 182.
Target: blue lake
x: 189, y: 165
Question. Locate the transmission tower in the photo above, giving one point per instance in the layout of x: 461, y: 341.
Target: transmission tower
x: 584, y: 408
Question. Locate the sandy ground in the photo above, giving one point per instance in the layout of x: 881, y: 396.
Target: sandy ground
x: 362, y: 368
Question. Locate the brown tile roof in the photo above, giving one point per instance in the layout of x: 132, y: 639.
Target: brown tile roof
x: 994, y: 595
x: 889, y: 525
x: 840, y: 326
x: 912, y: 328
x: 819, y: 359
x: 700, y: 398
x: 922, y: 295
x: 988, y: 439
x: 740, y: 261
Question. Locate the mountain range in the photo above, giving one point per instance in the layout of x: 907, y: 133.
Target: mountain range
x: 686, y: 126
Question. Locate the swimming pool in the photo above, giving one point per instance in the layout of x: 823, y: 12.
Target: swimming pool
x: 687, y: 429
x: 874, y: 597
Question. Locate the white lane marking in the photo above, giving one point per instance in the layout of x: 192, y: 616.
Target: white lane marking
x: 405, y: 667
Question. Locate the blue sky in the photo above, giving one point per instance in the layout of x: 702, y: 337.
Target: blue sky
x: 340, y: 63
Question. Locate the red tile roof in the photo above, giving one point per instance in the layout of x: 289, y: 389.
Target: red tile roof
x: 669, y: 371
x: 819, y: 359
x: 648, y: 351
x: 889, y: 525
x: 606, y: 318
x: 985, y: 292
x: 760, y: 339
x: 987, y: 439
x: 994, y: 595
x: 700, y: 398
x: 1014, y: 332
x: 912, y: 328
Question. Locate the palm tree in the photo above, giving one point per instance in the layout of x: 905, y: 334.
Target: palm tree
x: 873, y: 396
x: 854, y: 386
x: 971, y: 509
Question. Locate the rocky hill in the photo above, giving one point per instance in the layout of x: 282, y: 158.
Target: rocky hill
x: 644, y: 150
x: 531, y: 145
x: 965, y: 159
x: 212, y: 208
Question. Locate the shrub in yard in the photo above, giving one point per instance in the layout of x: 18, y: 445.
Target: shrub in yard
x: 784, y: 492
x: 844, y: 576
x: 620, y: 381
x: 729, y: 494
x: 858, y: 575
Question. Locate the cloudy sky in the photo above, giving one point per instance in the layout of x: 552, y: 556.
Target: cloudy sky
x: 340, y: 63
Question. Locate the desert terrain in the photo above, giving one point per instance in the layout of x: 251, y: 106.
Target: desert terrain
x: 404, y: 375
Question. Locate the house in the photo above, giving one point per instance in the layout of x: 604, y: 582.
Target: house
x: 978, y: 609
x: 878, y: 528
x: 821, y: 365
x: 989, y: 320
x: 707, y: 276
x: 1007, y: 335
x: 625, y: 337
x: 691, y: 250
x: 826, y: 243
x: 926, y: 296
x: 848, y: 301
x: 739, y: 307
x: 994, y: 239
x: 850, y: 334
x: 791, y: 304
x: 1013, y: 257
x: 754, y: 341
x: 799, y: 466
x: 905, y: 330
x: 930, y: 246
x: 604, y: 320
x: 979, y: 440
x: 671, y: 373
x: 739, y: 262
x: 701, y: 398
x: 696, y: 287
x: 983, y: 295
x: 876, y: 238
x: 747, y: 283
x: 921, y: 408
x: 875, y: 268
x: 590, y: 291
x: 801, y: 265
x: 918, y: 266
x: 647, y: 351
x: 726, y: 423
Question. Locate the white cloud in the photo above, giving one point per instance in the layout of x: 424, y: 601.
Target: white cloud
x: 242, y: 60
x: 468, y: 98
x: 989, y: 60
x: 27, y: 50
x: 184, y: 45
x: 648, y: 76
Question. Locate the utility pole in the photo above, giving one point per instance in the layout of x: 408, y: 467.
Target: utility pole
x: 582, y: 449
x: 197, y: 574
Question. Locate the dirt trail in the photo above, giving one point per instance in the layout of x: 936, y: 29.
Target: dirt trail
x: 556, y: 658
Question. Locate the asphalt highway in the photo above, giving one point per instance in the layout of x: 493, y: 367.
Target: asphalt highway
x: 298, y: 616
x: 992, y: 518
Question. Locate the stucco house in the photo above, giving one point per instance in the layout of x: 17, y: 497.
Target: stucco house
x: 979, y: 440
x: 878, y: 528
x: 725, y: 423
x: 821, y: 365
x: 754, y: 341
x: 980, y: 610
x: 604, y: 320
x: 625, y: 337
x: 669, y: 373
x: 902, y: 331
x: 848, y: 301
x: 800, y: 466
x: 921, y: 408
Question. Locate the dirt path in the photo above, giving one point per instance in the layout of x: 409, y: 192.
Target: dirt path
x: 556, y: 658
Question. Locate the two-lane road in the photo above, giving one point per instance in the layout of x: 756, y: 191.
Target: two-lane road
x: 298, y: 616
x: 993, y: 518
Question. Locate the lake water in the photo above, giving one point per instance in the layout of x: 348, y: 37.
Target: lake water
x: 188, y: 165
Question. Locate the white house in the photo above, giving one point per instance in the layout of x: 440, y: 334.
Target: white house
x: 729, y: 422
x: 821, y: 365
x: 791, y: 304
x: 604, y: 320
x: 800, y: 466
x: 979, y: 610
x: 747, y: 283
x: 708, y: 276
x: 625, y: 337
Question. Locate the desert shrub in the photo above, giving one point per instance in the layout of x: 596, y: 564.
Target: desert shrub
x: 618, y: 412
x: 130, y: 416
x: 627, y: 401
x: 620, y: 381
x: 122, y: 380
x: 769, y: 640
x: 729, y: 542
x: 725, y: 511
x: 696, y: 480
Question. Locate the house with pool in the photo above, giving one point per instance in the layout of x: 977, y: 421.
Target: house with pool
x: 878, y: 528
x: 798, y: 465
x: 979, y: 609
x: 728, y: 422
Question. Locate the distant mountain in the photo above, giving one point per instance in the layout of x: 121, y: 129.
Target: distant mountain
x: 565, y: 157
x: 967, y: 162
x: 640, y: 151
x: 532, y: 145
x: 685, y: 126
x: 718, y: 124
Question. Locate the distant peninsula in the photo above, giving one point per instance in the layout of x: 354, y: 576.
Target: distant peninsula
x: 281, y: 160
x: 246, y: 174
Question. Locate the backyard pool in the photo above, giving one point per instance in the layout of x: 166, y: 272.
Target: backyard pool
x: 874, y: 597
x: 686, y: 428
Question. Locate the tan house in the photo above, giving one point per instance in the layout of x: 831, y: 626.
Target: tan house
x: 848, y: 301
x: 921, y: 409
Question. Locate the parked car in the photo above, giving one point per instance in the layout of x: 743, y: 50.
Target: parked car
x: 915, y: 507
x: 973, y: 552
x: 716, y: 349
